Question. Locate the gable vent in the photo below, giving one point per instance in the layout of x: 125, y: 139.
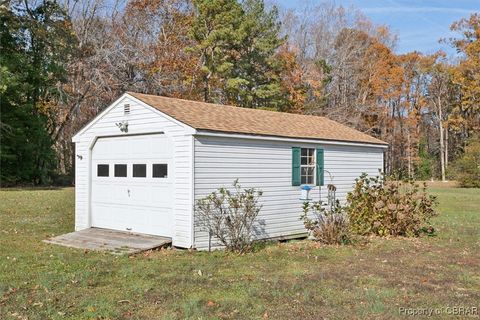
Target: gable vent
x: 126, y: 109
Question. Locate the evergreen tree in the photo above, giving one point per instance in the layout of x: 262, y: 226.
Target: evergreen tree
x: 237, y: 45
x: 35, y: 44
x: 255, y: 80
x: 215, y: 29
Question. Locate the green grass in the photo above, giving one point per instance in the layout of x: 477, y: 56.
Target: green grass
x: 298, y: 279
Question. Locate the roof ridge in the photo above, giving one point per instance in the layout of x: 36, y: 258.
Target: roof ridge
x: 228, y: 105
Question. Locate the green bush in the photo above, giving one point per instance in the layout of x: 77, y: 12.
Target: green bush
x: 466, y: 169
x: 381, y: 207
x: 326, y: 225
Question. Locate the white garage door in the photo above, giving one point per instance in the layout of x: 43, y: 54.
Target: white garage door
x: 132, y: 184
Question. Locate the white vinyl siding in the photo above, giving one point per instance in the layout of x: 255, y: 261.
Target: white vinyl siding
x: 267, y: 165
x: 141, y: 119
x: 82, y: 175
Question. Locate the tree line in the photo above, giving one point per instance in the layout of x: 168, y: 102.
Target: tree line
x: 64, y: 61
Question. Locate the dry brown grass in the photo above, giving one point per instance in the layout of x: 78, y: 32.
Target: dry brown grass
x: 442, y: 184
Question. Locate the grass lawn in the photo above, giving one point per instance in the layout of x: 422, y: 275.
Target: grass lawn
x: 294, y: 280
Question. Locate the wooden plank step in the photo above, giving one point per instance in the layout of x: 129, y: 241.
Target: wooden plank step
x: 116, y: 242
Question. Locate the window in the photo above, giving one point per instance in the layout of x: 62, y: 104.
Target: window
x: 102, y: 170
x: 139, y: 170
x: 120, y: 170
x: 307, y: 166
x: 160, y: 170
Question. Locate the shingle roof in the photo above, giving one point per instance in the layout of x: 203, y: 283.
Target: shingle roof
x: 229, y: 119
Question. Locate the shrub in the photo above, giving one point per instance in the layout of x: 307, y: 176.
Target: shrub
x: 382, y: 207
x: 467, y: 168
x: 230, y: 216
x: 326, y: 225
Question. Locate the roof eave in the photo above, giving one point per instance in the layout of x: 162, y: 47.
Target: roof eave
x: 217, y: 133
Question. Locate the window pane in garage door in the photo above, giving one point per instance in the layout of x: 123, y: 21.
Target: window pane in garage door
x: 160, y: 170
x: 120, y: 170
x: 102, y: 170
x: 139, y: 170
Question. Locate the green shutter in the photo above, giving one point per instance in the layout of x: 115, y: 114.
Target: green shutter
x: 320, y: 167
x: 295, y: 166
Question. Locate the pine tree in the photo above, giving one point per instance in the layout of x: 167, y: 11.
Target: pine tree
x: 237, y: 46
x: 34, y: 43
x: 255, y: 80
x: 215, y: 29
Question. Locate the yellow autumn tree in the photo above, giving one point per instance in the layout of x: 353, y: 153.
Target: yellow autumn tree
x: 466, y: 116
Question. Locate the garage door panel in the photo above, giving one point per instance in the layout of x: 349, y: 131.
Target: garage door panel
x: 111, y: 217
x: 102, y: 192
x: 118, y: 217
x: 165, y: 227
x: 161, y: 195
x: 142, y: 196
x: 106, y: 192
x: 119, y: 194
x: 117, y: 148
x: 137, y: 204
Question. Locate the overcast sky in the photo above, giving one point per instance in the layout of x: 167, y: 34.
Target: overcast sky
x: 419, y: 24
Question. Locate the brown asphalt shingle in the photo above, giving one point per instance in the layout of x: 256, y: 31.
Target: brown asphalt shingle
x: 214, y: 117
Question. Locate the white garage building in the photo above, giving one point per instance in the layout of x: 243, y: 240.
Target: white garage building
x: 144, y: 160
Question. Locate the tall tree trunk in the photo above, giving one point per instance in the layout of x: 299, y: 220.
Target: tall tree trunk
x: 442, y: 141
x: 409, y: 155
x: 446, y: 146
x: 205, y: 90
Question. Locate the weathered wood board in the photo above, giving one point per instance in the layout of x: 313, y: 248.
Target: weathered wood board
x: 116, y: 242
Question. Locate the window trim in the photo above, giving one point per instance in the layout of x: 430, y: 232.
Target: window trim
x: 313, y: 165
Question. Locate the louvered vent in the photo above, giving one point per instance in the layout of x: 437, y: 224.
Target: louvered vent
x: 126, y: 109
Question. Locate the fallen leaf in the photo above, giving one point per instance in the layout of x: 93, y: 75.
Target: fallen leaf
x: 210, y: 303
x: 147, y: 253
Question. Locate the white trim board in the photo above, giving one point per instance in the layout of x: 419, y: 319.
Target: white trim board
x: 284, y: 139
